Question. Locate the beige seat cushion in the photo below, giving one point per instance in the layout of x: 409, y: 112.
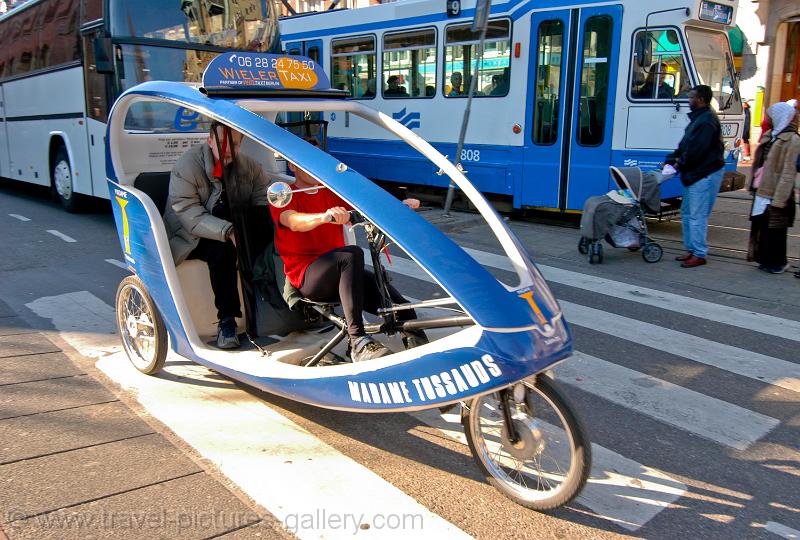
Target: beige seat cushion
x: 196, y: 286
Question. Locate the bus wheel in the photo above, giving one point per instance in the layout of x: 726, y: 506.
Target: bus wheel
x: 63, y: 186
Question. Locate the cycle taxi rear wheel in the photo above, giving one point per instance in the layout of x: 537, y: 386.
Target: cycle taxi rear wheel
x: 549, y: 464
x: 143, y: 334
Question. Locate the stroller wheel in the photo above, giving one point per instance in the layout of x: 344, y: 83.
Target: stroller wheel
x: 652, y: 252
x: 595, y: 253
x: 583, y: 245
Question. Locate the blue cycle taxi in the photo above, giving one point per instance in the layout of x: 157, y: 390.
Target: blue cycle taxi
x: 496, y: 341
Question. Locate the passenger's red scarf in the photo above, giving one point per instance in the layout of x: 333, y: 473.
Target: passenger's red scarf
x: 218, y: 165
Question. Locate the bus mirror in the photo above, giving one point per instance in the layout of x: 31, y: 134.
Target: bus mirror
x: 644, y: 50
x: 102, y: 55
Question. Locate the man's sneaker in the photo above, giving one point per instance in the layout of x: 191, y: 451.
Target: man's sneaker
x: 414, y: 338
x: 693, y: 262
x: 226, y: 334
x: 366, y: 348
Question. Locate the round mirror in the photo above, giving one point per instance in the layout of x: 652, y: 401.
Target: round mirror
x: 279, y: 194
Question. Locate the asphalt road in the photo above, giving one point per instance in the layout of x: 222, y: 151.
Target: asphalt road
x: 692, y: 400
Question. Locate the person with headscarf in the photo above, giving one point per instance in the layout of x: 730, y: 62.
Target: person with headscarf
x: 773, y: 181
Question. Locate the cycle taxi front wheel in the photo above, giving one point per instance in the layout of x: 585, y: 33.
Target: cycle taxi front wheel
x: 548, y: 463
x: 143, y: 334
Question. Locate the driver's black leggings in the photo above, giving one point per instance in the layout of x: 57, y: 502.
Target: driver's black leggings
x: 339, y: 275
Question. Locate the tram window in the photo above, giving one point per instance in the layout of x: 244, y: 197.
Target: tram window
x: 548, y: 82
x: 409, y: 64
x: 493, y: 69
x: 593, y: 99
x: 666, y: 77
x: 353, y: 66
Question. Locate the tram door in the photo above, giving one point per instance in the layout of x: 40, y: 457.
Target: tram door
x: 312, y: 49
x: 572, y: 83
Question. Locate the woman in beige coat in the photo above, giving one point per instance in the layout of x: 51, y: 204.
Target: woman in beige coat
x: 774, y: 205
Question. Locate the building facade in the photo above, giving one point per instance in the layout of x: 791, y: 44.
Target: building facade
x: 768, y: 59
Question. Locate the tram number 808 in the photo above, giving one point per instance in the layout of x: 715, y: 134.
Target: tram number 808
x: 470, y: 155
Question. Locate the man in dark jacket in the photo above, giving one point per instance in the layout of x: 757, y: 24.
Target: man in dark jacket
x: 198, y: 216
x: 700, y: 160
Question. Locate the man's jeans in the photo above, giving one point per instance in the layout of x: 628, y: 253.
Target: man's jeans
x: 698, y: 201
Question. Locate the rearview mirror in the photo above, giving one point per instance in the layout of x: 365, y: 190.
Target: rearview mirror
x: 279, y: 194
x: 102, y: 55
x: 644, y: 50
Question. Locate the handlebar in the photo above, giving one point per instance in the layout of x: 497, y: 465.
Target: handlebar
x: 355, y: 218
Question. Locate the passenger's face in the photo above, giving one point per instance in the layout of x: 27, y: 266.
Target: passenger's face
x: 302, y: 178
x: 229, y: 152
x: 456, y: 80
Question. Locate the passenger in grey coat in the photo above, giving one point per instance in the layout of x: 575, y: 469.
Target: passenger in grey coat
x: 198, y: 215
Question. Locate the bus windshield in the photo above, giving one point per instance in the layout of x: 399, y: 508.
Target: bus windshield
x: 240, y: 24
x: 714, y: 63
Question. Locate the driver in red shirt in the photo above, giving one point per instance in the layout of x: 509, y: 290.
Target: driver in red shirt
x: 309, y: 237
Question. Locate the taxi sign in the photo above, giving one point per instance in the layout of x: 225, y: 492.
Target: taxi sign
x: 263, y: 71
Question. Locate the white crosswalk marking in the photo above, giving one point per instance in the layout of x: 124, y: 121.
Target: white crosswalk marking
x: 782, y: 530
x: 691, y: 411
x: 749, y: 364
x: 740, y: 318
x: 19, y: 217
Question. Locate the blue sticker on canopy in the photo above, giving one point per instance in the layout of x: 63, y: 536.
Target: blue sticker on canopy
x: 262, y: 71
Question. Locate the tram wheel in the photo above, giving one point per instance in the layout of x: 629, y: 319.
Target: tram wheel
x: 63, y: 183
x: 143, y: 334
x: 549, y: 463
x: 652, y: 252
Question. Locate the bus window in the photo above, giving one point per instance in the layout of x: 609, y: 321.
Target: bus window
x: 236, y: 23
x: 409, y: 64
x: 493, y: 70
x: 548, y: 82
x: 91, y: 10
x: 594, y: 80
x: 353, y: 66
x: 666, y: 77
x: 142, y: 63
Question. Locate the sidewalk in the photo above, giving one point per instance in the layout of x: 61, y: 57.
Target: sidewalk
x: 76, y: 462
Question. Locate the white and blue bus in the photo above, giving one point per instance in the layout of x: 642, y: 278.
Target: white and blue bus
x: 564, y: 89
x: 63, y: 62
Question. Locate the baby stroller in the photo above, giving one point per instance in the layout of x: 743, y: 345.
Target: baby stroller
x: 619, y: 216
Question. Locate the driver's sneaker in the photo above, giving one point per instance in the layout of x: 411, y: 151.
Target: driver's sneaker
x: 365, y: 348
x: 226, y: 334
